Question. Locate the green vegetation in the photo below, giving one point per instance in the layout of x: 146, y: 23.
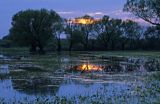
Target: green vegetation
x: 46, y: 66
x: 148, y: 10
x: 157, y: 77
x: 34, y: 28
x: 14, y: 51
x: 155, y: 54
x: 24, y: 51
x: 42, y: 30
x: 127, y: 76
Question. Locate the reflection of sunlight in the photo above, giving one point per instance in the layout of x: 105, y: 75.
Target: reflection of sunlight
x: 89, y: 67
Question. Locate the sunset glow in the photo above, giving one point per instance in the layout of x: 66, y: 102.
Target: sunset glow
x: 89, y: 67
x: 83, y: 21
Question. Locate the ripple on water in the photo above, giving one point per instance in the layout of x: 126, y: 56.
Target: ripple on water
x: 4, y: 69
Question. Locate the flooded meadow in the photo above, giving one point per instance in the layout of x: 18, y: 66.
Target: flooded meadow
x: 79, y: 78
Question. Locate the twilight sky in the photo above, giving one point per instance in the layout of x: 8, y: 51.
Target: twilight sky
x: 66, y: 8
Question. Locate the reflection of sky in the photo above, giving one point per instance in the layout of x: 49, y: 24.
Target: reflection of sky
x: 4, y: 69
x: 7, y: 91
x: 68, y: 90
x: 74, y: 90
x: 66, y: 8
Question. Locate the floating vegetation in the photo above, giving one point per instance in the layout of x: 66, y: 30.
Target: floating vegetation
x: 80, y: 78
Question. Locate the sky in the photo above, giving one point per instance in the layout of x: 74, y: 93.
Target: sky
x: 65, y: 8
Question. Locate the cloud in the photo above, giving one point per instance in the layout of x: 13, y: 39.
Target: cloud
x: 96, y: 14
x: 119, y: 14
x: 64, y: 13
x: 127, y: 15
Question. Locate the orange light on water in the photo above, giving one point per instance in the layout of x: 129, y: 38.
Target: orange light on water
x: 89, y: 67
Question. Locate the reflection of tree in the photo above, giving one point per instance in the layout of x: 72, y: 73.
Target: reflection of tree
x: 42, y: 86
x: 130, y: 68
x: 121, y: 67
x: 152, y: 65
x: 113, y: 67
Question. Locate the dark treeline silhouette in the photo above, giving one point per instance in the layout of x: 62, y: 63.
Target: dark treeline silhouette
x: 43, y: 30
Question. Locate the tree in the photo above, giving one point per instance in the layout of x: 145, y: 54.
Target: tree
x: 111, y: 31
x: 148, y: 10
x: 87, y: 29
x: 58, y: 28
x: 6, y: 42
x: 74, y: 35
x: 131, y: 34
x: 33, y: 28
x: 75, y: 38
x: 152, y: 37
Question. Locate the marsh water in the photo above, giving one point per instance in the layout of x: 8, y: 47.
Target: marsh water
x: 124, y: 79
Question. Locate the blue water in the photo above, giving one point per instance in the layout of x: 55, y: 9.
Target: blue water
x: 129, y: 86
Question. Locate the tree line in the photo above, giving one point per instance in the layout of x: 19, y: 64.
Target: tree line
x: 42, y: 30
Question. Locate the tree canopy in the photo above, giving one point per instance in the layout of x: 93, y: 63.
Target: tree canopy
x: 34, y: 28
x: 45, y: 30
x: 148, y: 10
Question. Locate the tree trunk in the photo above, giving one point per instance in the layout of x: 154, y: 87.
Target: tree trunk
x: 41, y: 50
x: 113, y: 45
x: 33, y: 48
x: 106, y: 46
x: 123, y: 46
x: 86, y: 45
x: 93, y: 45
x: 59, y: 45
x: 70, y: 46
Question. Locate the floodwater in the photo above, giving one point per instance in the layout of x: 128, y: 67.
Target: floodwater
x: 124, y: 80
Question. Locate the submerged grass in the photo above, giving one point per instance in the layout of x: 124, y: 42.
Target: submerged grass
x: 52, y: 61
x: 95, y: 99
x: 157, y: 76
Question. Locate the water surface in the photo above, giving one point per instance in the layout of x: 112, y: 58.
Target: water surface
x: 122, y: 80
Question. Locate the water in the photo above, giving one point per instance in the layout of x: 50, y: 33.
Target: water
x: 4, y: 69
x: 121, y: 81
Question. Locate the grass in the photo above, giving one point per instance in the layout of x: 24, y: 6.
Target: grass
x: 25, y: 51
x: 51, y: 61
x: 14, y: 51
x: 157, y: 76
x: 95, y: 99
x: 130, y: 53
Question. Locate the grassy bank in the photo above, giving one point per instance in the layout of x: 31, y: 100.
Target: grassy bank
x: 25, y: 51
x: 14, y: 51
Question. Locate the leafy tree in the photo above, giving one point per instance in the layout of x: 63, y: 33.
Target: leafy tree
x: 58, y: 29
x: 6, y: 42
x: 131, y: 34
x: 148, y: 10
x: 152, y: 37
x: 87, y: 30
x: 74, y: 35
x: 33, y: 28
x: 111, y: 31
